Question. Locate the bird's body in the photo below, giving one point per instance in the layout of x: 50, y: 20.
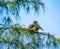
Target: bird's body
x: 35, y: 27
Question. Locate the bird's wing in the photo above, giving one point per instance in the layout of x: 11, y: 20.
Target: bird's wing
x: 30, y: 26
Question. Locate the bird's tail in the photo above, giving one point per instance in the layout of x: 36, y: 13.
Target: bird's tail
x: 41, y: 28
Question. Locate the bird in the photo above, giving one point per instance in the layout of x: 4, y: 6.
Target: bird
x: 34, y: 27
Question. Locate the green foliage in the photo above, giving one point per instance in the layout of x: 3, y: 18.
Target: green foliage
x: 1, y: 3
x: 13, y: 8
x: 58, y: 40
x: 24, y: 39
x: 17, y: 37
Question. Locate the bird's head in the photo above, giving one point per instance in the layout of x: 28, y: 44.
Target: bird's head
x: 35, y: 22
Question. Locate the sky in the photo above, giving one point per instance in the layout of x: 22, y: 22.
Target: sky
x: 49, y: 20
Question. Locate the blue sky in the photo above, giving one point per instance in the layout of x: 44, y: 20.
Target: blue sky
x: 49, y: 20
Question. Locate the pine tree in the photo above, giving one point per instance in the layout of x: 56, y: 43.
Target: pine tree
x: 13, y: 36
